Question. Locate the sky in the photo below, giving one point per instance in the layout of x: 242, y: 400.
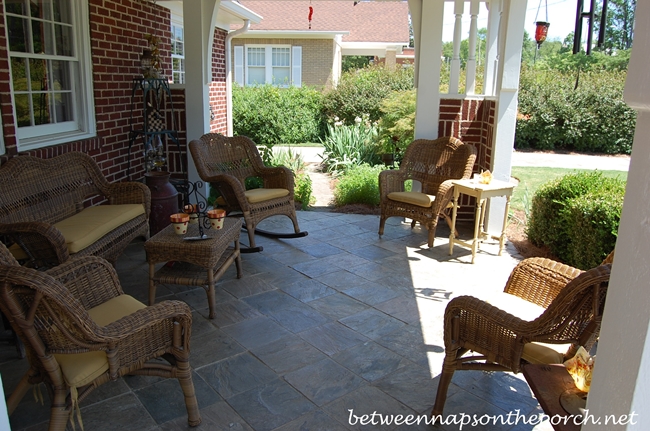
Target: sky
x: 561, y: 15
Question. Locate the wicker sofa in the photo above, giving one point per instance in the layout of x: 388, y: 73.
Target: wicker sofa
x: 46, y: 214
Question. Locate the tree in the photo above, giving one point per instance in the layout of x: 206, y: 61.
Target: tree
x: 619, y: 25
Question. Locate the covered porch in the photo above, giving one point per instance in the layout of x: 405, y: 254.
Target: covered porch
x: 339, y: 320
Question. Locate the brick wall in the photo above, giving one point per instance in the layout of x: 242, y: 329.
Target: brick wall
x: 317, y: 57
x: 117, y: 30
x: 472, y: 121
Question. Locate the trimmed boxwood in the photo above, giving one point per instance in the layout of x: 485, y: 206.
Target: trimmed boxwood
x: 577, y: 217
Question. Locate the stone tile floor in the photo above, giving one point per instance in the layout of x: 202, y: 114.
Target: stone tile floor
x: 337, y: 323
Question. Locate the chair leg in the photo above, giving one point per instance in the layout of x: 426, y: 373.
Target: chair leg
x: 59, y: 414
x: 294, y: 220
x: 382, y: 223
x: 431, y: 226
x: 448, y: 368
x: 191, y: 404
x: 18, y: 393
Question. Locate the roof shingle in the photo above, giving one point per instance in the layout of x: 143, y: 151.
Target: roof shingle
x: 368, y: 21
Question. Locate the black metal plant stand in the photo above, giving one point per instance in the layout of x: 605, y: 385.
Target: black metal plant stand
x: 155, y: 96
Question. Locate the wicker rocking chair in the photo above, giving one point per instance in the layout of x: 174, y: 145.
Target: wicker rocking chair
x: 226, y: 162
x: 546, y: 312
x: 434, y: 164
x: 80, y: 331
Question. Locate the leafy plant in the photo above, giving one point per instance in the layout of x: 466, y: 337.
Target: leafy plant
x: 270, y: 115
x: 577, y: 211
x: 302, y: 181
x: 363, y: 91
x: 359, y: 185
x: 397, y: 124
x: 593, y: 117
x: 347, y: 146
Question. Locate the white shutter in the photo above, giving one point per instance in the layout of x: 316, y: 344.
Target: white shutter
x: 296, y: 66
x: 239, y: 65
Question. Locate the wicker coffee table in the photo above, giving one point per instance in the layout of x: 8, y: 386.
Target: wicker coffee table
x: 196, y: 262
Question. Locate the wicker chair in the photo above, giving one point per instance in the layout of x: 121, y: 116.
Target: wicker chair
x: 226, y: 162
x: 547, y: 311
x: 434, y: 164
x: 81, y: 331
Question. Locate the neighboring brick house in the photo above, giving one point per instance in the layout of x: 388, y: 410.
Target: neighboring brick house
x: 286, y: 48
x: 81, y: 57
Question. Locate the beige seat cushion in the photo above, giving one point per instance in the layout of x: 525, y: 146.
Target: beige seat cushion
x: 260, y: 195
x: 80, y: 369
x: 92, y: 223
x: 413, y: 198
x: 535, y: 353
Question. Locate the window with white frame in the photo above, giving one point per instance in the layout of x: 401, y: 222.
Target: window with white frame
x: 49, y: 53
x: 279, y: 65
x: 178, y: 54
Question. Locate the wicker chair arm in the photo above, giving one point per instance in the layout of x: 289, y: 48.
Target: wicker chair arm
x: 391, y: 181
x: 40, y: 241
x: 234, y: 186
x: 539, y: 280
x: 147, y: 318
x: 278, y: 177
x: 90, y: 279
x: 473, y: 324
x: 443, y: 195
x: 130, y: 192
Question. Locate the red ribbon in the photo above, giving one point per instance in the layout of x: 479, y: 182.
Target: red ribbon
x: 311, y: 12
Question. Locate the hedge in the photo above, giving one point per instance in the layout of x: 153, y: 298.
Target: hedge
x: 577, y: 217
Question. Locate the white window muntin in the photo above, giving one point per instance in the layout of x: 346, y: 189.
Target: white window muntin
x: 178, y: 52
x: 69, y: 99
x: 268, y: 64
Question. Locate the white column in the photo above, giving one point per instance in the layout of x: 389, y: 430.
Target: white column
x: 454, y: 74
x: 621, y: 380
x: 470, y: 83
x: 510, y: 36
x: 199, y: 17
x: 428, y: 47
x: 491, y: 47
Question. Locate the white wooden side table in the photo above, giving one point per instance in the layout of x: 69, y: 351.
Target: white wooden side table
x: 482, y: 193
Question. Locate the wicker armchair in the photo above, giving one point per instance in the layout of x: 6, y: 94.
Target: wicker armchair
x: 434, y: 164
x: 226, y: 162
x: 81, y: 330
x: 547, y: 311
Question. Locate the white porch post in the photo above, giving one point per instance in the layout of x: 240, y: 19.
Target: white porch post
x: 199, y: 17
x: 427, y: 20
x: 621, y: 382
x: 511, y: 33
x: 491, y: 48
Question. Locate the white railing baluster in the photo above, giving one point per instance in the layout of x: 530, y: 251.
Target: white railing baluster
x: 454, y: 74
x: 470, y: 67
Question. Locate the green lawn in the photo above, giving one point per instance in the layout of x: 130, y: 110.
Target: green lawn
x: 530, y: 178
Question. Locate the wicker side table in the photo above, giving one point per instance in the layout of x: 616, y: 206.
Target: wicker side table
x: 198, y: 263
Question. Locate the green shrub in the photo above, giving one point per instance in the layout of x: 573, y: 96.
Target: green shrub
x: 594, y: 218
x: 303, y: 191
x: 590, y: 118
x: 359, y: 185
x: 302, y: 181
x: 577, y: 217
x: 270, y: 115
x: 397, y: 121
x: 362, y: 91
x: 346, y: 146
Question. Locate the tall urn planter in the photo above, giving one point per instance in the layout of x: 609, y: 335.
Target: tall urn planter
x: 164, y: 200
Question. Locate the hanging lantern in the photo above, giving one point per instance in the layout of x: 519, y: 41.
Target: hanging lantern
x: 311, y: 12
x: 541, y: 30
